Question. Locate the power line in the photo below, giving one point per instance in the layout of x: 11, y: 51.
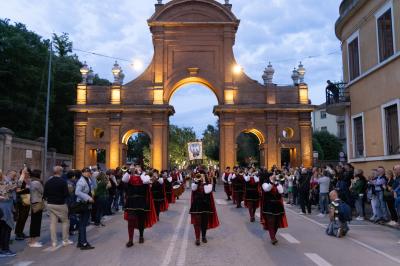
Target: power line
x: 274, y: 61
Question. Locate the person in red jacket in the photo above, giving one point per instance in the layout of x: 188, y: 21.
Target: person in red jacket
x: 251, y: 193
x: 202, y: 209
x: 273, y: 214
x: 139, y: 205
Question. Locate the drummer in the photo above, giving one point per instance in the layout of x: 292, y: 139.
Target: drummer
x: 176, y: 178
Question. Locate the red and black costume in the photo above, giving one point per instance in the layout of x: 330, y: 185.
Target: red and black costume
x: 252, y: 195
x: 169, y: 188
x: 203, y: 212
x: 227, y: 186
x: 238, y: 188
x: 139, y: 205
x: 159, y: 196
x: 273, y: 214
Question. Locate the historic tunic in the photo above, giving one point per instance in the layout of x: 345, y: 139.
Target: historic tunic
x: 139, y: 199
x: 202, y: 202
x: 252, y: 193
x: 272, y: 205
x: 159, y: 195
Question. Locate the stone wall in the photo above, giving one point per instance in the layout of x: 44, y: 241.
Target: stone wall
x: 16, y: 152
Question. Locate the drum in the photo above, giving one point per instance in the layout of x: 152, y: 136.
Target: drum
x: 178, y: 189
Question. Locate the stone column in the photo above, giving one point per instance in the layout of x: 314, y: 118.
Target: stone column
x: 229, y: 143
x: 272, y: 149
x: 264, y: 154
x: 306, y: 144
x: 80, y: 144
x: 6, y: 136
x: 114, y: 152
x: 159, y: 154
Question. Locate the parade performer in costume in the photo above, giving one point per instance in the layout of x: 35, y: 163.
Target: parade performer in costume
x: 176, y: 179
x: 273, y: 214
x: 168, y: 187
x: 203, y: 212
x: 159, y: 195
x: 139, y: 205
x: 252, y: 195
x: 238, y: 183
x: 226, y: 180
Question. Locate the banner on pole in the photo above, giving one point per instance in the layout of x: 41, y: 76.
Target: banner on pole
x: 195, y: 150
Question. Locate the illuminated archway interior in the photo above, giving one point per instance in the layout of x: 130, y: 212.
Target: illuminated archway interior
x: 248, y: 148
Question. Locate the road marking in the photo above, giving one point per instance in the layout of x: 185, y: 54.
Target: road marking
x: 182, y: 252
x: 221, y: 202
x: 370, y: 248
x: 317, y: 259
x: 51, y: 249
x: 168, y: 254
x: 289, y: 238
x: 23, y: 263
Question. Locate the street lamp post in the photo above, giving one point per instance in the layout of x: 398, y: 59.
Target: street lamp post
x: 46, y: 127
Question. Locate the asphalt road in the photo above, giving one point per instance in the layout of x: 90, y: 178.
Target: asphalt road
x: 235, y: 242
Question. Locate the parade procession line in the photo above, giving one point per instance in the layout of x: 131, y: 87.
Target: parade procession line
x: 360, y: 243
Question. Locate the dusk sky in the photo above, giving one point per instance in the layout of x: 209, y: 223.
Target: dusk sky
x: 281, y: 31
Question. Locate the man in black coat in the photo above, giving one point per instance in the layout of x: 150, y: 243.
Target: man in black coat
x: 304, y: 191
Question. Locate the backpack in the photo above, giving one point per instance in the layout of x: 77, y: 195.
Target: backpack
x: 345, y: 213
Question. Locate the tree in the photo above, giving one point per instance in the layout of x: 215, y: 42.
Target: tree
x: 248, y: 151
x: 177, y: 146
x: 62, y: 44
x: 211, y: 142
x: 24, y: 59
x: 329, y: 143
x: 139, y: 149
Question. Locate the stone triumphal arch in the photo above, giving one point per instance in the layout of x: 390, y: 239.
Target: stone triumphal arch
x: 193, y: 43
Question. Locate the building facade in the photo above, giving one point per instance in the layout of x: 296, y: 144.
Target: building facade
x: 193, y: 43
x: 370, y: 100
x: 323, y: 121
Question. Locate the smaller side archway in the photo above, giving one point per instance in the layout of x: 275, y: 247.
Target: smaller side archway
x: 250, y: 148
x: 136, y: 148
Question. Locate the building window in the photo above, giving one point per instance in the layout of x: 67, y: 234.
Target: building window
x: 354, y: 58
x: 391, y: 115
x: 341, y: 130
x: 324, y: 129
x: 385, y: 35
x: 323, y: 114
x: 358, y: 137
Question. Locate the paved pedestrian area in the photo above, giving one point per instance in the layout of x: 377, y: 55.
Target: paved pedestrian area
x: 235, y: 242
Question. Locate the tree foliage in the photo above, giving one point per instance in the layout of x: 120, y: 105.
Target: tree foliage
x: 139, y: 149
x: 177, y: 146
x: 248, y: 151
x: 211, y: 142
x: 24, y: 59
x: 327, y: 144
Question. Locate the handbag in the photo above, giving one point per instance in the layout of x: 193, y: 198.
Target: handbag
x: 78, y: 207
x: 26, y: 199
x: 37, y: 207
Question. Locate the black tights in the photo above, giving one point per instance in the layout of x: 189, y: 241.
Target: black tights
x: 202, y: 226
x: 157, y: 205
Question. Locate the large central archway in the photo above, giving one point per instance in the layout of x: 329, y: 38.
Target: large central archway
x: 193, y: 42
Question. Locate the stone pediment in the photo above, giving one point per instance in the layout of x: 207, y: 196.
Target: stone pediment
x: 194, y: 11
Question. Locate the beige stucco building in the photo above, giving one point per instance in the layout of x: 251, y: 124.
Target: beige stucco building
x: 370, y: 100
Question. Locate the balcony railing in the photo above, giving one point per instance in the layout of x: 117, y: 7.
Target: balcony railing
x: 336, y: 93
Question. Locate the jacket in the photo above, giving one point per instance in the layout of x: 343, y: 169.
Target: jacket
x: 82, y: 190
